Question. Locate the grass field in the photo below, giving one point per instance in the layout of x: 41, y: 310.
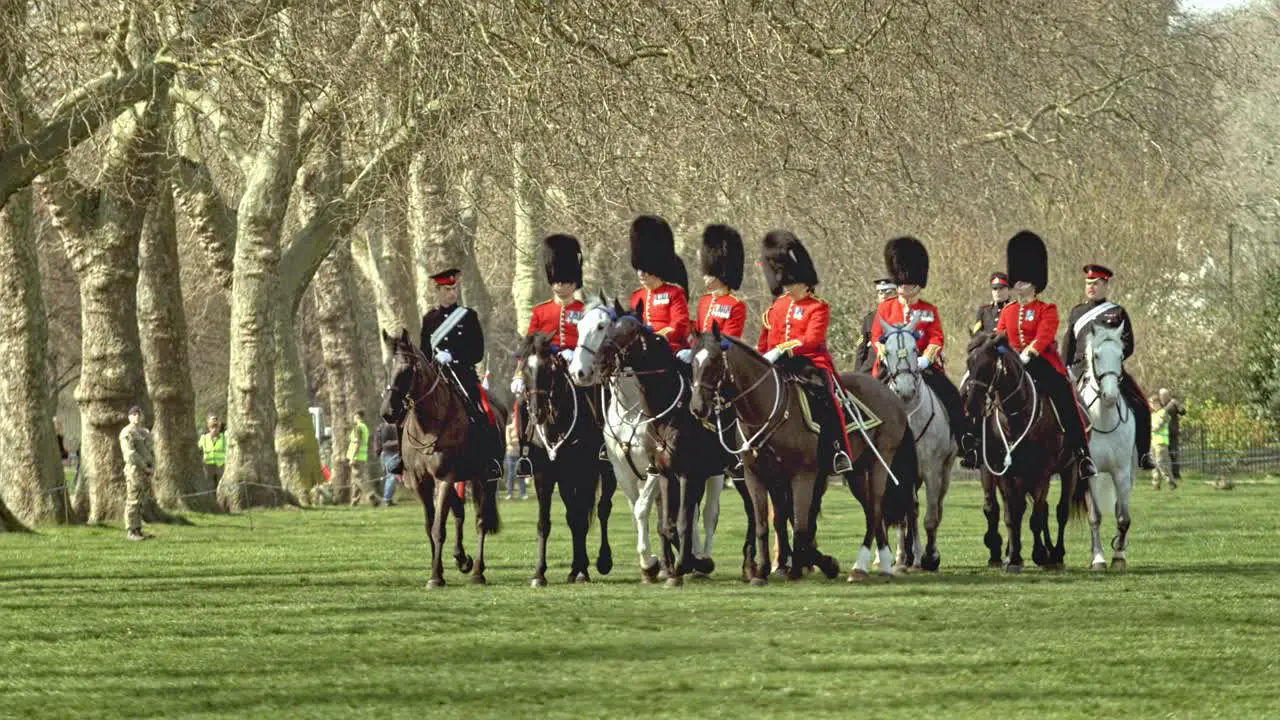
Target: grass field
x: 324, y: 613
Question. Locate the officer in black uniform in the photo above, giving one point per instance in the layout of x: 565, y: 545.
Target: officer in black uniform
x: 451, y: 333
x: 1096, y: 285
x: 866, y: 356
x: 989, y: 314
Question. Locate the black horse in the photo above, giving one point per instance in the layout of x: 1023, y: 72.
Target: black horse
x: 562, y: 432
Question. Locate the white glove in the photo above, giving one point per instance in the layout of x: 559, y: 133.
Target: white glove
x: 685, y: 356
x: 517, y: 386
x: 1025, y: 356
x: 567, y: 354
x: 443, y: 357
x: 773, y: 355
x: 923, y: 362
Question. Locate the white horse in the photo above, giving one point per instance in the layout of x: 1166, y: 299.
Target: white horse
x: 624, y: 435
x: 936, y: 447
x: 1111, y: 442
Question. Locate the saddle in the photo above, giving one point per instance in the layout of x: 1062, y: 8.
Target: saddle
x: 813, y: 383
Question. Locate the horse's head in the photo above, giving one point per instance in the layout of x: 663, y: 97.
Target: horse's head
x: 1104, y: 352
x: 901, y: 358
x: 626, y: 342
x: 542, y: 362
x: 710, y: 370
x: 401, y: 369
x: 988, y: 355
x: 592, y: 329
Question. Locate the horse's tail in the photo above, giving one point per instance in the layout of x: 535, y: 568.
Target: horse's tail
x: 900, y: 498
x: 1080, y: 497
x: 487, y: 509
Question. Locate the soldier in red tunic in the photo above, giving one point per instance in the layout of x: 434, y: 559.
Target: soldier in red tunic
x: 722, y: 260
x: 662, y: 297
x: 1031, y: 325
x: 558, y: 317
x: 797, y: 326
x: 907, y: 261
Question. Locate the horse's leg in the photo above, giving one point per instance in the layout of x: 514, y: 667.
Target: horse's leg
x: 442, y: 489
x: 780, y: 496
x: 749, y: 543
x: 669, y: 522
x: 937, y: 492
x: 458, y: 507
x: 542, y: 488
x: 604, y: 507
x: 649, y: 490
x: 759, y: 497
x: 879, y: 489
x: 1067, y: 481
x: 1095, y: 524
x: 577, y: 514
x: 802, y: 488
x: 1041, y: 541
x: 861, y: 489
x: 710, y: 515
x: 991, y: 509
x: 484, y: 493
x: 1124, y: 488
x: 1015, y: 505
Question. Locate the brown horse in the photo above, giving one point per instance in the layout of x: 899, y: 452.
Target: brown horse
x: 435, y: 438
x: 1023, y: 445
x: 785, y: 458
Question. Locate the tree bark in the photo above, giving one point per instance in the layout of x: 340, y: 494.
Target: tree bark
x: 297, y: 449
x: 179, y: 482
x: 252, y: 477
x: 382, y: 256
x: 527, y: 279
x: 429, y: 229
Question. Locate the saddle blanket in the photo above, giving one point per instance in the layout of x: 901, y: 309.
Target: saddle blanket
x: 856, y: 418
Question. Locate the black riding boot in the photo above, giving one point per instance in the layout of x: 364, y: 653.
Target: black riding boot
x: 1142, y: 419
x: 1064, y: 400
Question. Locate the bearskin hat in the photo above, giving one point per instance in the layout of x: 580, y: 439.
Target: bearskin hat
x: 1027, y: 260
x: 653, y: 246
x: 722, y: 254
x: 786, y: 260
x: 562, y: 259
x: 907, y: 261
x: 678, y: 274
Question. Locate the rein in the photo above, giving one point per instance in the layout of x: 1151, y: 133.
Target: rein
x: 1092, y: 379
x: 413, y: 400
x: 767, y: 429
x: 1000, y: 401
x: 540, y: 428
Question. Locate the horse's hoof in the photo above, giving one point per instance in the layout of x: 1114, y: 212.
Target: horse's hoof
x: 995, y: 564
x: 931, y: 563
x: 1055, y: 567
x: 885, y: 576
x: 899, y: 569
x: 604, y: 563
x: 1119, y: 564
x: 1013, y: 569
x: 830, y: 567
x: 675, y: 581
x: 538, y: 582
x: 663, y: 573
x: 858, y: 576
x: 759, y: 582
x: 1099, y: 565
x: 435, y: 583
x: 649, y: 574
x: 465, y: 563
x: 478, y: 580
x: 582, y: 578
x: 1040, y: 556
x: 704, y: 565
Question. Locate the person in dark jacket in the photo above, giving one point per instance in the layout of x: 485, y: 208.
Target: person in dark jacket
x: 388, y: 442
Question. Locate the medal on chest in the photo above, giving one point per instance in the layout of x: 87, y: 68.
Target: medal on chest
x: 661, y: 299
x: 797, y: 313
x: 721, y: 312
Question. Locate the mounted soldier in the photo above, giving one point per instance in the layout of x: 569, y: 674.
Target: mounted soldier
x: 866, y: 355
x: 722, y: 259
x: 989, y: 314
x: 907, y: 261
x: 663, y: 295
x: 1097, y: 281
x: 1031, y: 326
x: 451, y: 333
x: 797, y: 325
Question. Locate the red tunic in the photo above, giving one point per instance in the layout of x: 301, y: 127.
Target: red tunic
x: 1033, y: 325
x: 799, y: 327
x: 727, y: 310
x: 558, y: 321
x: 666, y: 310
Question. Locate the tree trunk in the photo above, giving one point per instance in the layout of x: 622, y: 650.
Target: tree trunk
x: 297, y: 449
x: 252, y: 477
x: 335, y: 304
x: 179, y: 481
x: 430, y: 229
x: 382, y: 257
x: 527, y: 279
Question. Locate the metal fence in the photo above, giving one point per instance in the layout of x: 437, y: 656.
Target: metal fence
x: 1226, y: 451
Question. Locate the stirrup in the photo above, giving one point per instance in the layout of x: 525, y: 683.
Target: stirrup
x: 1087, y: 469
x: 524, y: 468
x: 840, y: 463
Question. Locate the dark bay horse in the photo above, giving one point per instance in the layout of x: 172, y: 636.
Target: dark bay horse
x: 680, y: 447
x: 564, y: 437
x: 434, y: 442
x: 783, y: 458
x: 1023, y: 446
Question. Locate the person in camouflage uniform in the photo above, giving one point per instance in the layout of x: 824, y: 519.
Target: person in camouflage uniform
x: 139, y: 466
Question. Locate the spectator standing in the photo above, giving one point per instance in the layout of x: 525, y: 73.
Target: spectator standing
x: 1160, y: 415
x: 1176, y: 411
x: 139, y: 466
x: 389, y: 447
x: 512, y: 459
x: 213, y: 445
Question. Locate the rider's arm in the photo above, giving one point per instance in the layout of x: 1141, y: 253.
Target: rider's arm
x: 1069, y: 340
x: 737, y: 322
x: 762, y: 346
x: 934, y: 337
x: 678, y: 319
x: 1046, y: 330
x: 815, y: 332
x: 1128, y: 333
x: 470, y: 344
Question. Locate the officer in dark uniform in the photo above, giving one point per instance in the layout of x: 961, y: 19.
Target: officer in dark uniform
x: 451, y: 334
x: 989, y: 314
x: 866, y: 356
x: 1097, y: 281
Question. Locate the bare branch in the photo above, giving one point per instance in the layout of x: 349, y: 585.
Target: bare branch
x: 209, y: 109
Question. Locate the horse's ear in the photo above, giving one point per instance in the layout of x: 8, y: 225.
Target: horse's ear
x: 886, y: 327
x: 715, y: 330
x: 638, y: 310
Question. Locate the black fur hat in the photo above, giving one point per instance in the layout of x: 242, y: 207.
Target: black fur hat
x: 562, y: 259
x: 722, y: 254
x: 1027, y: 260
x: 677, y: 274
x: 907, y: 261
x: 786, y: 261
x: 653, y: 246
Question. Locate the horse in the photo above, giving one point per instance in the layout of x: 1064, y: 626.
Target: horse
x: 936, y: 447
x: 435, y: 439
x: 783, y: 456
x: 624, y: 433
x: 564, y: 441
x: 1003, y: 396
x: 1111, y: 442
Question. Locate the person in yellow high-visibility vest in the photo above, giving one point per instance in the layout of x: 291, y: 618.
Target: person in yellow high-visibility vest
x: 213, y: 445
x: 1162, y: 409
x: 358, y: 455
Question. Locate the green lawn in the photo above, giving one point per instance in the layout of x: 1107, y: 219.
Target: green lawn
x: 324, y: 613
